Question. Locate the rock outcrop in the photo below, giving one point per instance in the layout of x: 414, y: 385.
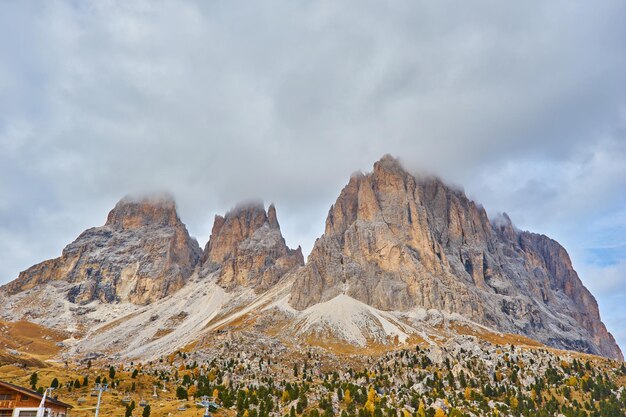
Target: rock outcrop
x: 248, y: 249
x: 397, y: 242
x: 143, y: 253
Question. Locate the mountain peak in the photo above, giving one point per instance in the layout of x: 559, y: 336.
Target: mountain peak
x: 134, y: 212
x: 141, y: 254
x: 230, y: 230
x: 389, y: 163
x: 247, y: 247
x: 398, y: 242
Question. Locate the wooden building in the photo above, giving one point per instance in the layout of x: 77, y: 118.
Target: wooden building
x: 16, y: 401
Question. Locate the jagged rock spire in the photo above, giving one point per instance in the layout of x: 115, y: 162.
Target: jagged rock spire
x: 230, y: 230
x: 271, y: 217
x: 248, y: 249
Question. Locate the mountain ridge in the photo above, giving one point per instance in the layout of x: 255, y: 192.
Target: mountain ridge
x: 399, y: 254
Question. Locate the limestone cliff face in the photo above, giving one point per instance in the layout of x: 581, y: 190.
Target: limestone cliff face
x: 552, y: 261
x: 397, y: 242
x: 248, y: 249
x: 141, y: 254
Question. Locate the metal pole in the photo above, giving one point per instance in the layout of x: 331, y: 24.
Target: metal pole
x: 98, y: 406
x: 41, y: 411
x: 100, y: 388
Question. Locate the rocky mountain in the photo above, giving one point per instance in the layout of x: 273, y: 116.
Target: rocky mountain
x: 141, y: 254
x: 404, y: 259
x: 248, y: 249
x: 398, y: 242
x: 173, y: 291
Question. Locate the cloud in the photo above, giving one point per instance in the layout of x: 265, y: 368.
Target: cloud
x: 606, y: 280
x: 522, y: 104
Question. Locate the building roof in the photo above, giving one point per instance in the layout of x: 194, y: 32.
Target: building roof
x: 33, y: 393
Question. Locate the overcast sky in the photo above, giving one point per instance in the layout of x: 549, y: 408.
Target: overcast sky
x: 521, y: 103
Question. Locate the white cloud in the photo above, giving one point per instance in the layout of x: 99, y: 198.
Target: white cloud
x: 607, y: 280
